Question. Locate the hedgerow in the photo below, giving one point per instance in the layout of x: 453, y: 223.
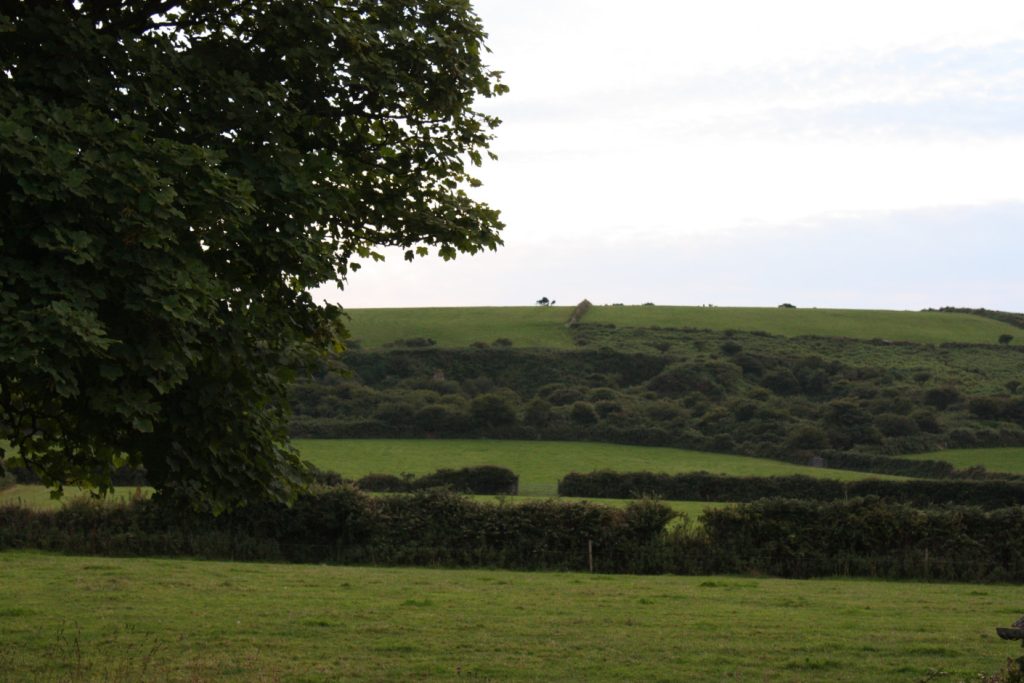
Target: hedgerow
x: 775, y: 536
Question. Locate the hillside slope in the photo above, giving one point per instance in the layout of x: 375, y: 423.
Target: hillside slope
x: 541, y: 326
x: 846, y: 400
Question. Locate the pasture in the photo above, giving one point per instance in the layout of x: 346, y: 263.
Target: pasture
x: 539, y: 464
x: 916, y: 326
x: 992, y: 459
x: 88, y: 618
x: 541, y: 326
x: 38, y: 496
x: 529, y: 326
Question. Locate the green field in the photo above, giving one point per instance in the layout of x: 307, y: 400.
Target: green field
x: 539, y: 464
x: 917, y: 326
x: 530, y: 326
x: 87, y: 618
x: 992, y: 459
x: 36, y: 496
x: 527, y: 326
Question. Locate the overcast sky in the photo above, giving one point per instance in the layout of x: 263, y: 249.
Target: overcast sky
x: 744, y: 153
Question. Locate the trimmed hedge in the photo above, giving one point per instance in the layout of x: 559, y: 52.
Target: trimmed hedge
x: 778, y: 537
x: 987, y: 493
x: 866, y: 537
x: 344, y: 525
x: 481, y: 480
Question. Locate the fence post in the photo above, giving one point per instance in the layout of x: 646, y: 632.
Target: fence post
x: 590, y: 555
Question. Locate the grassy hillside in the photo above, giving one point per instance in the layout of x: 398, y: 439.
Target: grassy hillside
x: 532, y: 326
x: 527, y: 326
x: 539, y: 464
x: 929, y: 327
x: 86, y: 618
x: 992, y: 459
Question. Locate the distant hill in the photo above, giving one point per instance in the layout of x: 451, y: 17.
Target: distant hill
x: 543, y: 326
x: 524, y: 326
x: 842, y: 388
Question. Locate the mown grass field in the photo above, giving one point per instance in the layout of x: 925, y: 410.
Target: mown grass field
x: 993, y: 459
x: 529, y: 326
x: 186, y: 620
x: 532, y: 326
x: 539, y: 464
x: 917, y: 326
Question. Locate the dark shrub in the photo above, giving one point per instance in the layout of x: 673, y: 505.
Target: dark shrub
x: 942, y: 397
x: 986, y: 407
x: 418, y: 342
x: 538, y: 413
x: 606, y: 408
x: 438, y: 418
x: 583, y: 413
x: 927, y: 421
x: 563, y: 396
x: 603, y: 394
x: 891, y: 424
x: 807, y: 438
x: 730, y: 347
x: 384, y: 483
x: 493, y: 410
x: 710, y: 379
x: 781, y: 381
x: 482, y: 480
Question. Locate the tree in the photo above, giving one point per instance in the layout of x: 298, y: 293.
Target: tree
x: 175, y: 177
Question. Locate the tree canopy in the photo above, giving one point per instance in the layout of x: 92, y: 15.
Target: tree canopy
x: 175, y: 177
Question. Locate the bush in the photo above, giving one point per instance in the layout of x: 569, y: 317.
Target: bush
x: 891, y: 424
x: 807, y: 438
x: 492, y: 410
x: 385, y: 483
x: 720, y: 487
x: 583, y: 413
x: 538, y: 413
x: 942, y: 397
x: 480, y: 480
x: 986, y: 407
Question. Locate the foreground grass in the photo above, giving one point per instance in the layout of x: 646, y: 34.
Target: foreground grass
x: 101, y: 616
x: 916, y: 326
x: 539, y: 464
x: 993, y: 459
x: 528, y: 326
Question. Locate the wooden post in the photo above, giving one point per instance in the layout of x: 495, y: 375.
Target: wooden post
x: 590, y: 555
